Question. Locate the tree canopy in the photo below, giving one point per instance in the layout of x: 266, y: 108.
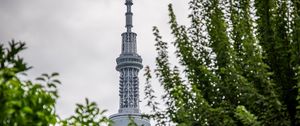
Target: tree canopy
x: 32, y: 103
x: 240, y: 61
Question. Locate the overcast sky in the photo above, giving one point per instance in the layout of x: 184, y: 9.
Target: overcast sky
x: 81, y: 39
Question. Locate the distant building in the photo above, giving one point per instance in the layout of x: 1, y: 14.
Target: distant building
x: 129, y: 64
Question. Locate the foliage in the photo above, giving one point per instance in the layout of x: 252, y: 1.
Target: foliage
x: 240, y: 61
x: 28, y: 103
x: 87, y: 115
x: 131, y: 122
x: 24, y: 102
x: 246, y: 117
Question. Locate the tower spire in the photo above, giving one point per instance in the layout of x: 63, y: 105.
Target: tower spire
x: 129, y: 63
x: 129, y: 15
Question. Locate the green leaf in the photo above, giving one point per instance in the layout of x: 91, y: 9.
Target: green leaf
x: 27, y: 110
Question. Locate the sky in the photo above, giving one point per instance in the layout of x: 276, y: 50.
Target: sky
x: 80, y: 39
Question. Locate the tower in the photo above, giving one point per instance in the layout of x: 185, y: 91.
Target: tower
x: 129, y: 64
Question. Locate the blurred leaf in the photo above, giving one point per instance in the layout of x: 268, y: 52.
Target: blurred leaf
x: 40, y: 79
x: 54, y: 74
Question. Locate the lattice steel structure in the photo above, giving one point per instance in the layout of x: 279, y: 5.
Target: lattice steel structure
x: 129, y: 64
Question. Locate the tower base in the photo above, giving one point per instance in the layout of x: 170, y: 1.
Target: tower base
x: 123, y: 119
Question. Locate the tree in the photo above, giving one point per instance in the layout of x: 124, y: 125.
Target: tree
x: 87, y: 115
x: 240, y: 60
x: 32, y: 103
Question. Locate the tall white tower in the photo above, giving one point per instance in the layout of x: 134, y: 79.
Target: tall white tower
x: 129, y: 64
